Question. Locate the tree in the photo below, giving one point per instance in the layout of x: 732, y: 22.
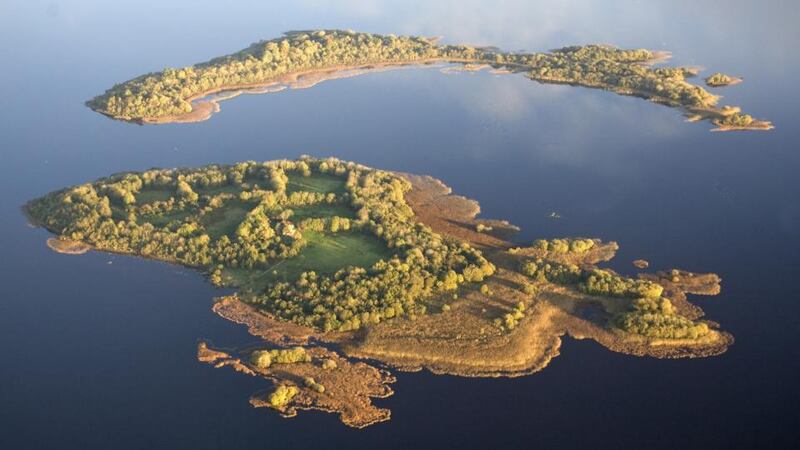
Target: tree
x: 184, y: 191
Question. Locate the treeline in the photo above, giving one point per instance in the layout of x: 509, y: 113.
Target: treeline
x: 593, y: 281
x: 168, y: 92
x: 561, y: 246
x: 170, y: 215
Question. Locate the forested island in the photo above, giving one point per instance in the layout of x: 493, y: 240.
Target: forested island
x: 720, y: 80
x: 303, y: 58
x: 336, y: 264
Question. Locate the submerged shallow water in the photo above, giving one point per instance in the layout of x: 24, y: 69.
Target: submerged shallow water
x: 99, y: 350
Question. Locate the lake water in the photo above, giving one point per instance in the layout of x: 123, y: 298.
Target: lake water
x: 99, y: 350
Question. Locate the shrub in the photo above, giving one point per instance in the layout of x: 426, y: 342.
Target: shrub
x: 282, y: 395
x: 290, y: 356
x: 329, y: 364
x: 261, y: 359
x: 312, y: 384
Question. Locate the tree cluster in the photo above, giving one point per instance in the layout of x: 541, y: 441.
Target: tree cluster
x: 719, y: 79
x: 282, y: 395
x: 592, y: 281
x: 657, y: 318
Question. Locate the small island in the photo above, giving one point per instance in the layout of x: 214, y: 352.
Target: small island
x: 338, y: 267
x: 719, y: 79
x: 304, y: 58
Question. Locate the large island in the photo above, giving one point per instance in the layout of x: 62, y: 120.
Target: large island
x: 303, y: 58
x: 337, y: 264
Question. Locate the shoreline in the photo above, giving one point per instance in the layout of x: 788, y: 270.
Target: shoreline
x: 733, y: 82
x: 464, y: 339
x: 694, y: 113
x: 287, y: 78
x: 67, y: 247
x: 203, y: 107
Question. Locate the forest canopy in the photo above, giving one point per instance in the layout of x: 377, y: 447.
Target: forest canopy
x: 319, y: 242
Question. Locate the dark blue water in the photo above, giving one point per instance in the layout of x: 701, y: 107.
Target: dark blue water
x: 98, y: 350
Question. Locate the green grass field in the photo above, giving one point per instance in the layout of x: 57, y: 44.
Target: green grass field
x: 224, y: 221
x: 146, y: 196
x: 316, y: 183
x: 325, y: 254
x: 228, y: 189
x: 328, y: 252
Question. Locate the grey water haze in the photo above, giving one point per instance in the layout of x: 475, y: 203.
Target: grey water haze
x: 99, y: 350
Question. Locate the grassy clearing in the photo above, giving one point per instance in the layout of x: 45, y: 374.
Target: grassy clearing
x: 325, y: 254
x: 224, y: 221
x: 323, y: 210
x: 227, y: 189
x: 146, y: 196
x: 323, y: 183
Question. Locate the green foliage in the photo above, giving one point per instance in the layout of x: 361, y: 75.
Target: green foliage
x: 289, y: 355
x: 619, y: 71
x: 551, y: 271
x: 594, y: 282
x: 657, y: 318
x: 185, y: 192
x: 529, y: 289
x: 261, y: 359
x: 605, y: 283
x: 341, y: 255
x: 511, y: 319
x: 564, y: 246
x: 282, y: 395
x: 326, y: 253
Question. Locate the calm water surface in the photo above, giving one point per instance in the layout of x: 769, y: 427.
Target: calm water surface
x: 98, y: 350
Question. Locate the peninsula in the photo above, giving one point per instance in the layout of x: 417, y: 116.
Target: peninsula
x: 304, y: 58
x: 337, y: 265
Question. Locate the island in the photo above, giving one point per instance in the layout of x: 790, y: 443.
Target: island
x: 304, y: 58
x: 346, y: 272
x: 719, y: 79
